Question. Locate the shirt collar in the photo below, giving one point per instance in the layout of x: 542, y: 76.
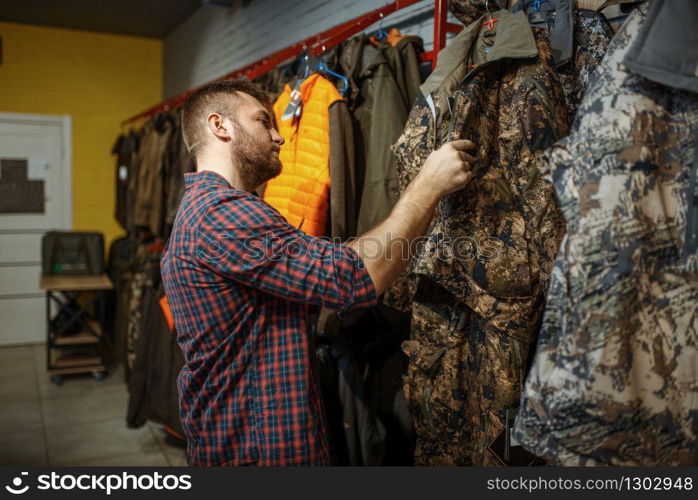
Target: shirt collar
x: 205, y: 178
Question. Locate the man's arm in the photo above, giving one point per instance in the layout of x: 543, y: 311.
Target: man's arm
x: 243, y: 239
x: 385, y: 249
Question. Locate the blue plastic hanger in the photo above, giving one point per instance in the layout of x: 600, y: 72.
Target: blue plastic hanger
x: 536, y: 4
x: 322, y: 67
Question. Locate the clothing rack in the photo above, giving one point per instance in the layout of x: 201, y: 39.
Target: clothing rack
x: 318, y: 44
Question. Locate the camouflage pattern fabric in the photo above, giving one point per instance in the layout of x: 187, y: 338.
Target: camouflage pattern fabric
x: 462, y: 375
x: 492, y: 244
x: 615, y: 376
x: 588, y: 37
x: 592, y: 34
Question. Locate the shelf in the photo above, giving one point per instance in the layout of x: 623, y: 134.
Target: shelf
x: 74, y: 358
x: 75, y: 283
x: 78, y: 338
x: 77, y: 369
x: 76, y: 361
x: 85, y: 336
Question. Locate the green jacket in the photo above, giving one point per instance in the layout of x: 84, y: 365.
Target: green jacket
x: 384, y: 82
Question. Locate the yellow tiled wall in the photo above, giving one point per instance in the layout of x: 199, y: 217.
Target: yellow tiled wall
x: 99, y: 80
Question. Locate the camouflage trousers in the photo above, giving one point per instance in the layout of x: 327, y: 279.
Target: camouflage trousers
x: 460, y: 381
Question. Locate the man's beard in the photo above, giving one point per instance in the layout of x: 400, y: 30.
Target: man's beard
x: 257, y: 159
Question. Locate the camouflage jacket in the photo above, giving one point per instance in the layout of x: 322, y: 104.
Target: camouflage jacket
x: 615, y: 377
x: 492, y: 244
x: 579, y: 39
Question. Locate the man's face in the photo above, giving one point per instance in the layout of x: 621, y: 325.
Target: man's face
x: 256, y: 143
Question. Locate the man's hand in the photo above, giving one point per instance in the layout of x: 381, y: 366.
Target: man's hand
x: 447, y: 169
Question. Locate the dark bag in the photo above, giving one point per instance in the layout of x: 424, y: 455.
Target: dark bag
x: 72, y: 252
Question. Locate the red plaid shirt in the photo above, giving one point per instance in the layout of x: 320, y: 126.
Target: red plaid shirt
x: 237, y: 278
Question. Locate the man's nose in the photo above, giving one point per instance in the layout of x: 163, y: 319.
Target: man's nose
x: 276, y: 137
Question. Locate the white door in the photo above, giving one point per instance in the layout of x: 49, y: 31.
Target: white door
x: 35, y: 197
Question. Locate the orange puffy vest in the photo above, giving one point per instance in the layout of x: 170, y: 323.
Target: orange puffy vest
x: 301, y: 192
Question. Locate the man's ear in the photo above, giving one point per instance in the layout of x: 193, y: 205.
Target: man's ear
x: 219, y: 126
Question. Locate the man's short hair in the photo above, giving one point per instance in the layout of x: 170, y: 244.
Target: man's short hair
x: 211, y: 98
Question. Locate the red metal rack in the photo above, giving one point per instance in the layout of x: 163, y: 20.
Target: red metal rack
x: 320, y: 43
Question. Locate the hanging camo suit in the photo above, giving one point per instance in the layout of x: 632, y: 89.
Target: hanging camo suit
x: 478, y: 287
x: 480, y: 277
x: 614, y: 379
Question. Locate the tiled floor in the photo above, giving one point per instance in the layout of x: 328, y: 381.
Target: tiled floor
x: 81, y: 422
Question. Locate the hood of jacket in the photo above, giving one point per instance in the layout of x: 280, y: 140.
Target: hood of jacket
x: 356, y: 55
x: 514, y: 39
x: 360, y: 59
x: 666, y: 48
x: 562, y: 33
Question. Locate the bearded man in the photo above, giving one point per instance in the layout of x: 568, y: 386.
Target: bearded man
x: 239, y: 278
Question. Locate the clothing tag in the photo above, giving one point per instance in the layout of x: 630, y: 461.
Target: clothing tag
x: 430, y: 103
x: 294, y: 105
x: 36, y: 170
x: 123, y: 172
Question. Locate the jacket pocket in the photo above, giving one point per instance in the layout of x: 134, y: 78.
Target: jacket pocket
x: 460, y: 391
x: 428, y: 386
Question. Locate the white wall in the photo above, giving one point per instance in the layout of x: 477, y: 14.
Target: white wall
x: 216, y: 40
